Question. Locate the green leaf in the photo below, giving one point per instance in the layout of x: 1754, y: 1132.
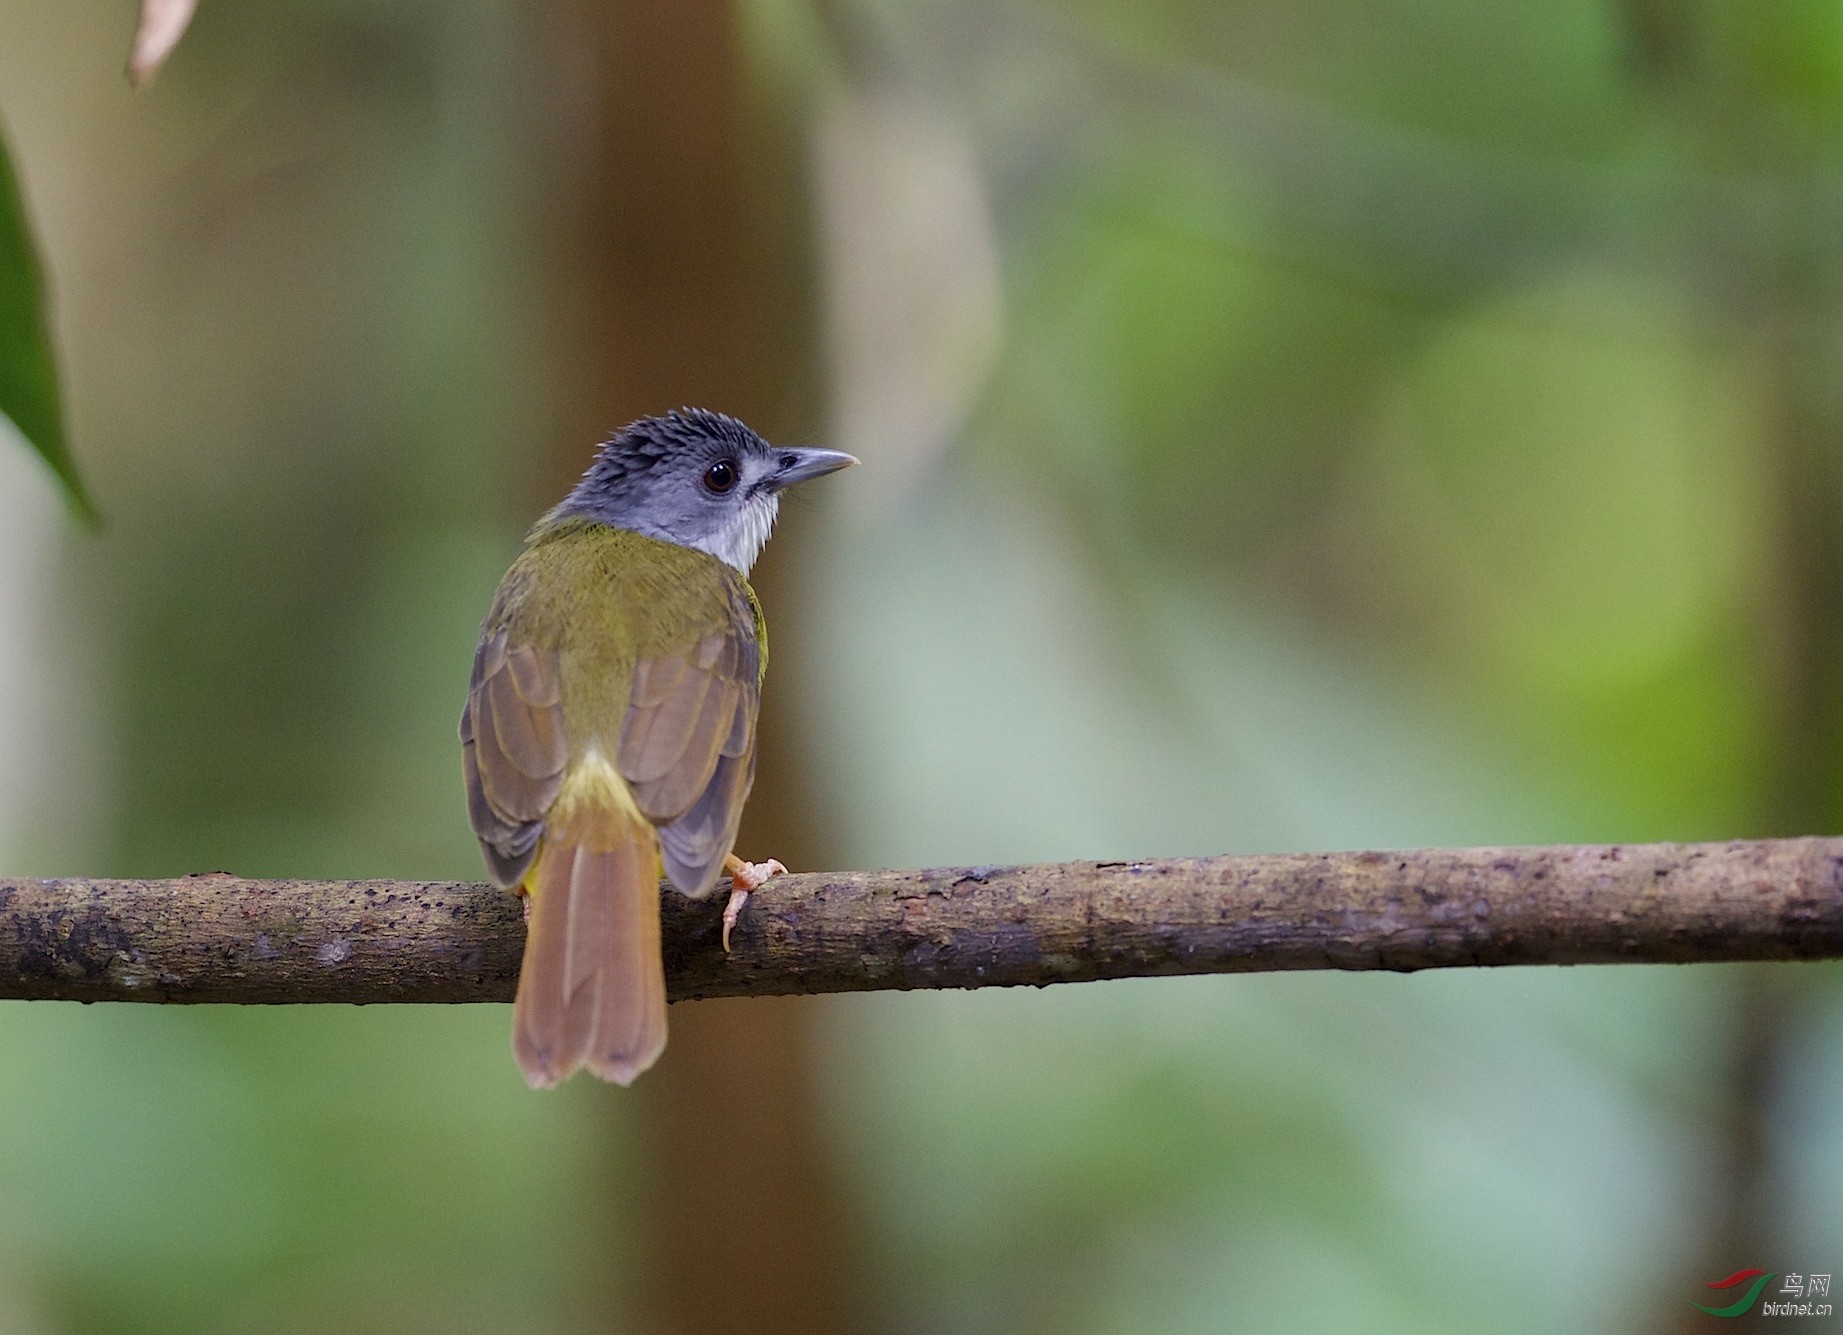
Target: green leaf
x: 28, y: 379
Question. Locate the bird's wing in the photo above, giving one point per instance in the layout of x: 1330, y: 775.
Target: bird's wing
x: 513, y: 748
x: 688, y: 742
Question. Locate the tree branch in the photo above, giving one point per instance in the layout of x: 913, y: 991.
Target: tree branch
x: 219, y: 938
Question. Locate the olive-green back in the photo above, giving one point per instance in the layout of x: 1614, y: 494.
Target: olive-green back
x: 652, y: 654
x: 606, y: 597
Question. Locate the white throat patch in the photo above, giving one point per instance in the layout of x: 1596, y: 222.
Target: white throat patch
x: 740, y: 541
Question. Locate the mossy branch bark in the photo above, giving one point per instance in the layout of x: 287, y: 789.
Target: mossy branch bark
x: 220, y: 938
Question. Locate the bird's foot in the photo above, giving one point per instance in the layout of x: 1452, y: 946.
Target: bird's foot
x: 745, y: 879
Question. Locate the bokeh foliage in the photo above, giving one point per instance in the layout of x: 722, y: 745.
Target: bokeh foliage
x: 1408, y: 424
x: 1415, y: 423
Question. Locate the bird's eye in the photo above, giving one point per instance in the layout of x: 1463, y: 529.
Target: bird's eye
x: 720, y: 476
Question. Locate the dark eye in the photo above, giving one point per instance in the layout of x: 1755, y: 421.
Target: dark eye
x: 720, y: 476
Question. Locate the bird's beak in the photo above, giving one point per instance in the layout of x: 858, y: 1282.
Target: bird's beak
x: 798, y: 464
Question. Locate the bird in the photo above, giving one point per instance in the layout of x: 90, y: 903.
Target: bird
x: 610, y: 725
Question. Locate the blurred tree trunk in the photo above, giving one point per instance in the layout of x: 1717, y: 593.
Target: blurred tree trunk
x: 684, y: 282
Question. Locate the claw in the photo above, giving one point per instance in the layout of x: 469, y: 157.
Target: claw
x: 745, y: 879
x: 731, y: 912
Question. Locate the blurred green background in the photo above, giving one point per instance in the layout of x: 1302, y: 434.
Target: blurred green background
x: 1286, y: 427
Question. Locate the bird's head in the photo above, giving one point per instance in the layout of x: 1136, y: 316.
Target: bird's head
x: 696, y: 478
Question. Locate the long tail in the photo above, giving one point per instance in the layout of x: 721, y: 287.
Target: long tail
x: 592, y: 991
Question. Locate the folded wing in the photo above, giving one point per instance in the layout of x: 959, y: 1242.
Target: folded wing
x: 513, y: 750
x: 687, y: 745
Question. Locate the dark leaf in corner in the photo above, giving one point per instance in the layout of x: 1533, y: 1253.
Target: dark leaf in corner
x: 28, y: 377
